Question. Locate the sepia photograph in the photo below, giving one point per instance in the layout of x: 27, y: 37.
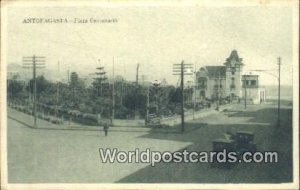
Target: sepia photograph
x: 150, y: 94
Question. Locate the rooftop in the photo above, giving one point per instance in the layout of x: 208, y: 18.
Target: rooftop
x: 252, y: 76
x: 234, y: 56
x: 216, y: 71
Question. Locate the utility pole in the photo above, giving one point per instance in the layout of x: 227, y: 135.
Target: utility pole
x: 278, y: 77
x: 34, y: 90
x: 180, y: 69
x: 194, y: 92
x: 245, y: 87
x: 218, y: 91
x: 156, y: 86
x: 34, y: 62
x: 137, y: 74
x: 57, y: 91
x: 278, y: 116
x: 121, y: 92
x: 113, y: 94
x: 136, y: 89
x: 148, y: 104
x: 68, y: 76
x: 182, y: 96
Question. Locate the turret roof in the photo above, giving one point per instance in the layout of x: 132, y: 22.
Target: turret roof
x: 234, y: 56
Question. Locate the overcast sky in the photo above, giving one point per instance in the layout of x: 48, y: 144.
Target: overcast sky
x: 155, y: 37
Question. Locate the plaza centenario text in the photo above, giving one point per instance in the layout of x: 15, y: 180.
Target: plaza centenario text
x: 66, y: 20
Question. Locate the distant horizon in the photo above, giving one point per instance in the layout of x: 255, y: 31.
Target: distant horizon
x: 41, y: 72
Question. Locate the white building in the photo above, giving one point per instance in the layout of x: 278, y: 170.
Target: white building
x: 251, y: 89
x: 223, y: 81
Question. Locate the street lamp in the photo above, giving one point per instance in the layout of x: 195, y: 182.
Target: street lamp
x: 278, y: 77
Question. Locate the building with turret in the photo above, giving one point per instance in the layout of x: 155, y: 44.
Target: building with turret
x: 220, y: 81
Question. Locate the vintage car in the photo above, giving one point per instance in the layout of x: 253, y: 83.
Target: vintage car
x: 223, y: 144
x: 245, y: 142
x: 241, y: 142
x: 219, y: 145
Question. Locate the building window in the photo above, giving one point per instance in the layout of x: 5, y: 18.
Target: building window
x: 201, y: 84
x: 232, y: 72
x: 253, y: 82
x: 232, y: 80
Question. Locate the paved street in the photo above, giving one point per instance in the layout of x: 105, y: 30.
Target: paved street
x: 72, y: 156
x: 68, y: 156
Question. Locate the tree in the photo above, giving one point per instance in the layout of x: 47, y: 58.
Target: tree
x: 15, y: 89
x: 135, y: 100
x: 77, y: 92
x: 75, y: 82
x: 99, y: 81
x: 41, y: 85
x: 74, y: 79
x: 100, y: 95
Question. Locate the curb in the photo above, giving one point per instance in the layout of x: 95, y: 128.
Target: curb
x: 142, y: 128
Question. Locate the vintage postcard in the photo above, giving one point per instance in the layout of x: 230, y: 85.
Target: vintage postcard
x: 150, y: 94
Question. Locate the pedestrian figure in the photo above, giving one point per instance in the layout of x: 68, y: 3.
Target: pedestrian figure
x: 105, y: 128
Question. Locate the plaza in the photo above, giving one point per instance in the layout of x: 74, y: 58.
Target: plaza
x: 72, y: 156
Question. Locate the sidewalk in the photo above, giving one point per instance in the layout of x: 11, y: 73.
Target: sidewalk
x: 169, y: 122
x: 28, y: 121
x: 189, y: 116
